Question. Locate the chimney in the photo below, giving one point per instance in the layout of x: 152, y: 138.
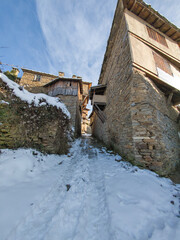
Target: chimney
x: 16, y: 71
x: 61, y: 74
x: 74, y: 76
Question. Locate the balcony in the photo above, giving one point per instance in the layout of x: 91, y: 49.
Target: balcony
x: 63, y: 91
x: 99, y: 99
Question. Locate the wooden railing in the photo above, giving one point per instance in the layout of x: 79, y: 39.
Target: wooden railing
x: 63, y: 91
x: 99, y: 99
x: 99, y: 113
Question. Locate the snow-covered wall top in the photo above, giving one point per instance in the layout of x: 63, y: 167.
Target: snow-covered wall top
x: 38, y: 99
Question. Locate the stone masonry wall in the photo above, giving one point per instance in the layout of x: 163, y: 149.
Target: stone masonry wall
x: 28, y: 82
x: 140, y: 123
x: 116, y: 132
x: 155, y: 128
x: 44, y: 128
x: 71, y: 103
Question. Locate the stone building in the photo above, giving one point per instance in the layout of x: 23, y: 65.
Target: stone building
x: 134, y: 103
x: 34, y: 81
x: 85, y: 121
x: 73, y: 92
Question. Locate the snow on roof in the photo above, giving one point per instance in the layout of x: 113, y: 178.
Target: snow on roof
x: 30, y: 98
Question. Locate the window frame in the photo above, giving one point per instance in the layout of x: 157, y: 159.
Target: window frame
x: 162, y: 63
x: 156, y: 36
x: 37, y: 78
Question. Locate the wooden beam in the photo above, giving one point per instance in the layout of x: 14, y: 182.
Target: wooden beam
x: 176, y: 38
x: 148, y: 16
x: 161, y: 26
x: 125, y: 3
x: 154, y: 21
x: 141, y: 10
x: 170, y: 98
x: 132, y: 5
x: 99, y: 113
x: 167, y: 30
x: 172, y: 34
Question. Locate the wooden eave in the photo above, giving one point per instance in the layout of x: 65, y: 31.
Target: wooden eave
x: 145, y: 12
x: 152, y: 17
x: 95, y: 88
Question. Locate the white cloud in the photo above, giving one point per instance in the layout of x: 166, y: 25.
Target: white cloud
x: 76, y: 34
x: 168, y: 8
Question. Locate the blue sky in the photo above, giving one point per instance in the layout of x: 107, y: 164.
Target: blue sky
x: 63, y: 35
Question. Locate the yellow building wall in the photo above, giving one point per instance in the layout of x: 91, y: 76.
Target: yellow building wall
x: 85, y: 89
x: 138, y: 27
x: 142, y: 52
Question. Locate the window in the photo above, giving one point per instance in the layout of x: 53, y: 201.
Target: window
x: 37, y: 77
x: 68, y: 84
x: 156, y: 36
x: 162, y: 63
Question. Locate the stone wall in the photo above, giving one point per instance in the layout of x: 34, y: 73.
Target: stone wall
x: 155, y: 127
x: 116, y: 132
x: 72, y: 105
x: 140, y: 123
x: 44, y: 128
x: 28, y: 82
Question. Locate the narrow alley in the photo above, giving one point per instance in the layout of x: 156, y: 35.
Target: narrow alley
x: 98, y: 196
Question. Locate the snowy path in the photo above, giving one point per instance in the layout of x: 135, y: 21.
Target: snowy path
x: 81, y: 211
x: 96, y: 197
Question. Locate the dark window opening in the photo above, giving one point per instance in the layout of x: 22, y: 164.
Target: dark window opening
x: 101, y: 106
x: 37, y: 78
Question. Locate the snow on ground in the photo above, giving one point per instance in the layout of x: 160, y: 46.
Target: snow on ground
x: 4, y: 102
x: 39, y: 99
x: 90, y: 194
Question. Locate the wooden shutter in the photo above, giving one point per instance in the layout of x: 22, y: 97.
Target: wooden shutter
x: 162, y: 63
x: 156, y: 36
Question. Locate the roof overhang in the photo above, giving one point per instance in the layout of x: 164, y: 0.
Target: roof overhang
x: 166, y: 88
x: 144, y: 11
x: 37, y: 72
x: 152, y: 17
x: 96, y: 89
